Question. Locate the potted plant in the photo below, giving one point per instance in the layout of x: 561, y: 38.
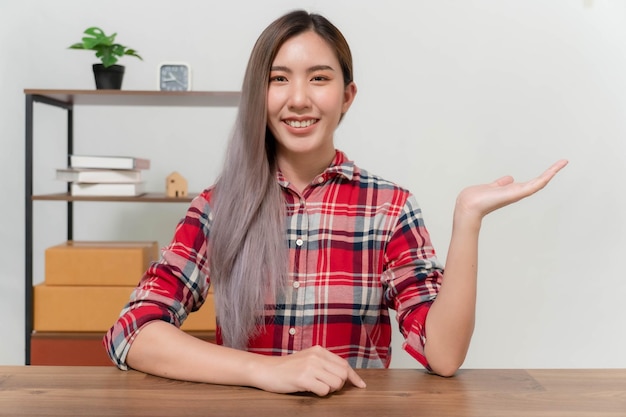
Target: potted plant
x: 108, y: 74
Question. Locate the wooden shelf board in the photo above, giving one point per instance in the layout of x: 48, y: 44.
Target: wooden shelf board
x: 147, y: 198
x: 141, y: 97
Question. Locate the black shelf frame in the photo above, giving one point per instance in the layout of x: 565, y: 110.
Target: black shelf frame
x: 31, y: 99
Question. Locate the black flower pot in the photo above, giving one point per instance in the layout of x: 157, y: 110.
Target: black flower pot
x: 109, y: 78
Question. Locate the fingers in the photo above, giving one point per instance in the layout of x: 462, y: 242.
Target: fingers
x: 477, y: 201
x: 315, y: 370
x: 355, y: 379
x: 549, y: 173
x: 326, y: 382
x: 504, y: 181
x: 320, y: 388
x: 537, y: 183
x: 344, y: 372
x: 543, y: 180
x: 558, y: 165
x: 554, y: 169
x: 334, y: 372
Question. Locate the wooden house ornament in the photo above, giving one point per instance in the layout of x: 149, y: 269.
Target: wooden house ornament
x: 175, y: 185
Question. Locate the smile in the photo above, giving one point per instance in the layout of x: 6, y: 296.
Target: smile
x: 301, y: 124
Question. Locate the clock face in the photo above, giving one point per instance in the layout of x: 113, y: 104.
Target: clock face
x: 174, y: 77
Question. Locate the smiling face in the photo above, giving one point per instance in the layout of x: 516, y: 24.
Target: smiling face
x: 306, y: 99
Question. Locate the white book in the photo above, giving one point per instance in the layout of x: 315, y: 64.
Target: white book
x: 91, y: 175
x: 106, y: 190
x: 108, y: 162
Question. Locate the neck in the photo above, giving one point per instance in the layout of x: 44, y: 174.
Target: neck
x: 301, y: 169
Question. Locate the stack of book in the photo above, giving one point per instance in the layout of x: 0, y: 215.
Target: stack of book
x: 104, y: 176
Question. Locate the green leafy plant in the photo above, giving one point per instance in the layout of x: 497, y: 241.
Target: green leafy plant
x: 106, y: 49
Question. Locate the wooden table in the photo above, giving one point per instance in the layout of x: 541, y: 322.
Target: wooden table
x: 104, y: 391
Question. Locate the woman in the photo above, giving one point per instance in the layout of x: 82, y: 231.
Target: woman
x: 306, y: 252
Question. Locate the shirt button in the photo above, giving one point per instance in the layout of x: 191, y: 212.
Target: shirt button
x: 299, y: 242
x: 292, y: 331
x: 320, y: 180
x: 296, y: 284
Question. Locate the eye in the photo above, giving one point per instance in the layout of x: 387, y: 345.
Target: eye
x: 278, y: 79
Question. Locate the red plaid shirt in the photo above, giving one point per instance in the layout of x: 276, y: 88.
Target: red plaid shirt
x: 357, y: 247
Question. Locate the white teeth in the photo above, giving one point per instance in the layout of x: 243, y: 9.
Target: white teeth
x: 297, y: 123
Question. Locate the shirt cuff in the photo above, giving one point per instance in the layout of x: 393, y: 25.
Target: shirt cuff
x: 414, y: 329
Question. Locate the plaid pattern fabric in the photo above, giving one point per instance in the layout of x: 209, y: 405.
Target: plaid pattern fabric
x: 357, y: 247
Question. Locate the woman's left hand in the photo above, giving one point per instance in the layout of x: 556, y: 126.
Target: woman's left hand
x: 479, y: 200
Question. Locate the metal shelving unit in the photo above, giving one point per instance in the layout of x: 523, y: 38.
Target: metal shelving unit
x: 66, y: 100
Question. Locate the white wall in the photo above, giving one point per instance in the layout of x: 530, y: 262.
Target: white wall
x: 451, y: 93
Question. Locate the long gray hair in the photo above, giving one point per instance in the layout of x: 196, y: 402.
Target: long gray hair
x: 248, y: 251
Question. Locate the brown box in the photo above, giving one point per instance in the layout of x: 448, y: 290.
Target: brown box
x: 68, y: 349
x: 99, y: 263
x: 77, y: 349
x: 95, y: 309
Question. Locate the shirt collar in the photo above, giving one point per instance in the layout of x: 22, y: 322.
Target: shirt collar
x: 340, y: 166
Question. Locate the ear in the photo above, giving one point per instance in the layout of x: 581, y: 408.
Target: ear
x: 348, y: 96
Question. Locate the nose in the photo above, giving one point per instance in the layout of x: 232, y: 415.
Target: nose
x: 299, y: 96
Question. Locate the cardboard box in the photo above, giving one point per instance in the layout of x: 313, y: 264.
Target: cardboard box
x: 77, y: 349
x: 99, y: 263
x: 95, y: 309
x: 68, y: 349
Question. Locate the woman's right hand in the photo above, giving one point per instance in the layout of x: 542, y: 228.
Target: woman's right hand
x: 315, y: 370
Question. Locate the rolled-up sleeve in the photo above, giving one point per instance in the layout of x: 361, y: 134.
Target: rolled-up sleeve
x: 412, y: 277
x: 171, y: 288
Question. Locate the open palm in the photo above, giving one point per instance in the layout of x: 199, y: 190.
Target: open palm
x: 480, y: 200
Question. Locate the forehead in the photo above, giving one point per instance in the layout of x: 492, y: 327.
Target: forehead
x: 306, y: 47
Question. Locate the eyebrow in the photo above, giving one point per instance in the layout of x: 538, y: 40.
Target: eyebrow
x: 309, y: 70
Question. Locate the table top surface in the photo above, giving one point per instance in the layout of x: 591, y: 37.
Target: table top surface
x: 106, y: 391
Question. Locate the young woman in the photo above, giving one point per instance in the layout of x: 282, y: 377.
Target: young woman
x: 306, y: 252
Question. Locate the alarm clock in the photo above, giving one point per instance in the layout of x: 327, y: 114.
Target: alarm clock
x: 174, y: 76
